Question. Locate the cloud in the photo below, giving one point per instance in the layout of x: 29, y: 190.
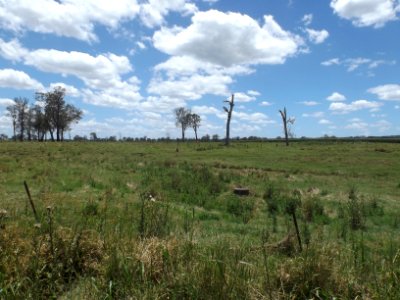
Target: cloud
x: 123, y: 95
x: 253, y: 118
x: 177, y: 66
x: 336, y: 97
x: 331, y: 62
x: 324, y: 122
x: 243, y: 98
x: 69, y: 89
x: 6, y: 102
x: 386, y: 92
x: 68, y: 18
x: 374, y: 13
x: 353, y: 64
x: 343, y: 108
x: 213, y: 34
x: 317, y: 36
x: 153, y: 12
x: 206, y: 110
x: 191, y: 87
x: 102, y: 75
x: 141, y: 45
x: 99, y: 71
x: 358, y: 125
x: 253, y: 93
x: 309, y: 103
x: 12, y: 50
x: 10, y: 78
x: 307, y: 19
x: 317, y: 114
x: 265, y: 103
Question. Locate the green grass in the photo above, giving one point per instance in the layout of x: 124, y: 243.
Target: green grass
x: 144, y: 221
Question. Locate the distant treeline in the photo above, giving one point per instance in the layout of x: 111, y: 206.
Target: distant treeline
x: 216, y: 138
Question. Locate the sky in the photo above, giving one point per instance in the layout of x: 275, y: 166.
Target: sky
x: 334, y: 64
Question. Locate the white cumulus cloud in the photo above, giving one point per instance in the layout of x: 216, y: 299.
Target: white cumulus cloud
x: 366, y: 12
x: 317, y: 36
x: 68, y: 18
x: 386, y: 92
x: 336, y: 97
x: 153, y: 12
x: 213, y: 34
x: 343, y: 108
x: 10, y: 78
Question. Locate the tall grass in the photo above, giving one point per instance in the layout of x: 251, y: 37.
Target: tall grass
x: 139, y: 226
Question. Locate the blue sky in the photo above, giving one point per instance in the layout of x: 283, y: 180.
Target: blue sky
x: 128, y: 63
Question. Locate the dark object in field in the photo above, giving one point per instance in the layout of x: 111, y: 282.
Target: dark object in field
x: 241, y: 191
x: 297, y: 229
x: 31, y: 201
x: 285, y: 246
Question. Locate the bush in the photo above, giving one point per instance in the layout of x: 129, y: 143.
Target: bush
x: 355, y: 210
x: 241, y: 207
x: 272, y: 199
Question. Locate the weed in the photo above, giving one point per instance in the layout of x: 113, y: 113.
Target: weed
x: 355, y: 210
x: 312, y: 207
x: 154, y: 216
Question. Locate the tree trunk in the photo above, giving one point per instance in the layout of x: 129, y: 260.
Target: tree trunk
x: 195, y: 133
x: 228, y: 124
x: 15, y: 131
x: 228, y: 121
x: 51, y: 135
x: 284, y: 120
x: 286, y: 133
x: 183, y: 133
x: 58, y: 134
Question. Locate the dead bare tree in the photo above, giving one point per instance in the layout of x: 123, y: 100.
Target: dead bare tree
x: 228, y: 121
x: 287, y: 122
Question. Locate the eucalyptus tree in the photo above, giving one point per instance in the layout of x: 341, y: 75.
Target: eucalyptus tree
x: 12, y: 113
x: 58, y: 115
x: 18, y: 112
x: 182, y: 119
x: 195, y: 121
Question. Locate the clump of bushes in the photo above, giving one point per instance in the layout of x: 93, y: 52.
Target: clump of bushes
x: 241, y: 207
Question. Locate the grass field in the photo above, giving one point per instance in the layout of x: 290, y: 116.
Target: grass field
x: 145, y: 221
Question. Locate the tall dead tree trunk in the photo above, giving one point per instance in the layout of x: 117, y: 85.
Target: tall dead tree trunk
x: 285, y: 122
x: 228, y: 121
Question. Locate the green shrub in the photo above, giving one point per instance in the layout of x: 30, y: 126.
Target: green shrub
x: 241, y: 207
x: 355, y: 210
x: 272, y: 199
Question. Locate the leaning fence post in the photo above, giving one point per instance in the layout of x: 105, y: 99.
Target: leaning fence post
x: 31, y: 201
x: 297, y: 229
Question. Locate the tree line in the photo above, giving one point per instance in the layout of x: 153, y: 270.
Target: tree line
x: 50, y: 114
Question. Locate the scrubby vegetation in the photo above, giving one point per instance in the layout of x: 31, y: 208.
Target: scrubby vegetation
x: 142, y: 221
